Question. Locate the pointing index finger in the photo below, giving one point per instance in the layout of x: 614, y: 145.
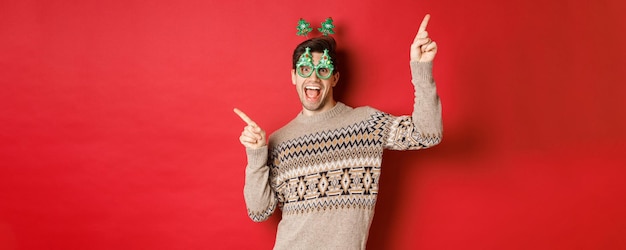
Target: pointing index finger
x: 424, y: 23
x: 244, y: 117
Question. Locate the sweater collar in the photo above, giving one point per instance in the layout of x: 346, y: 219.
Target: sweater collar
x: 336, y: 110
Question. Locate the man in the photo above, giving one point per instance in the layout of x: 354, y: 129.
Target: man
x: 322, y: 168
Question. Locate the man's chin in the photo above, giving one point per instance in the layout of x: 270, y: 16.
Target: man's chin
x: 312, y: 106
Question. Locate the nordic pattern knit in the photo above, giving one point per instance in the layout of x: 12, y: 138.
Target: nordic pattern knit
x: 323, y: 170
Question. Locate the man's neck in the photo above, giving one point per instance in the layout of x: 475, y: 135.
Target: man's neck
x: 330, y: 105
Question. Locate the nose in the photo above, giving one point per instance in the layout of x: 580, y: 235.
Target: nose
x: 314, y: 76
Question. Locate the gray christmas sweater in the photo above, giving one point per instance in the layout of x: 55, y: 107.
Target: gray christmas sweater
x: 323, y: 170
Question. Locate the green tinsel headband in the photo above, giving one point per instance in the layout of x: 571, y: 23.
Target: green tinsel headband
x: 304, y: 27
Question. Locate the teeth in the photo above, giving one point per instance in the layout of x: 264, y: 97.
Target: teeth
x: 312, y: 87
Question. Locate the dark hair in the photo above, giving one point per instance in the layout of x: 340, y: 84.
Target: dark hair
x: 317, y: 44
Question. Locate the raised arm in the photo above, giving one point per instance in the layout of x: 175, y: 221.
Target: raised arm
x: 427, y: 106
x: 424, y: 127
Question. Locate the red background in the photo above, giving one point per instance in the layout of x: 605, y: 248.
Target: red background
x: 117, y: 130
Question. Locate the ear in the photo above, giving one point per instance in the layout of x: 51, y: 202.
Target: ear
x: 293, y: 76
x: 335, y: 78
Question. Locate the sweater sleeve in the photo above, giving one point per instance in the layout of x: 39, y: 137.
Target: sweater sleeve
x: 427, y: 106
x: 259, y: 196
x: 424, y: 128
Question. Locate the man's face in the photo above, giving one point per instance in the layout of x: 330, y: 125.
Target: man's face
x: 315, y: 94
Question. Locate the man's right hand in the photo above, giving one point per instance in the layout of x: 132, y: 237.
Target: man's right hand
x: 253, y: 136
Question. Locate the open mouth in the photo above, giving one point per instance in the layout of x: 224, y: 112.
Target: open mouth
x: 312, y: 92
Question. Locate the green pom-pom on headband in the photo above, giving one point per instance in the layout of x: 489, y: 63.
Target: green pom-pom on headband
x: 303, y: 28
x: 327, y: 27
